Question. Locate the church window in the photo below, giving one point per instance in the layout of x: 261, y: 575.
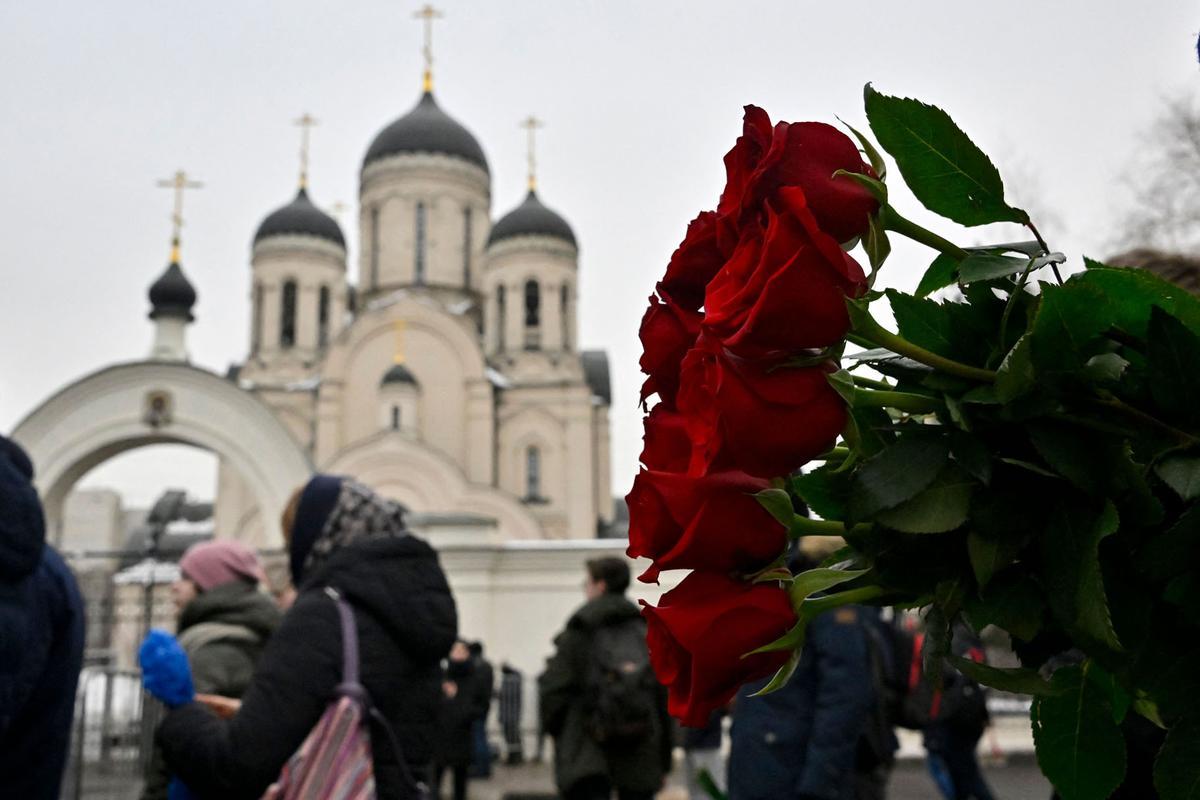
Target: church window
x: 375, y: 247
x: 533, y: 473
x: 323, y: 317
x: 533, y: 314
x: 395, y: 418
x: 419, y: 269
x: 500, y: 321
x: 287, y: 321
x: 467, y: 246
x: 564, y: 299
x: 256, y: 323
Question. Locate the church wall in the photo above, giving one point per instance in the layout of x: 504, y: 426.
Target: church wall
x: 393, y: 188
x: 512, y: 263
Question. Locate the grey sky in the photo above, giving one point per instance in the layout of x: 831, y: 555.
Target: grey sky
x: 641, y: 100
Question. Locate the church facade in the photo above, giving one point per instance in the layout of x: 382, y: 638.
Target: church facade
x: 448, y: 374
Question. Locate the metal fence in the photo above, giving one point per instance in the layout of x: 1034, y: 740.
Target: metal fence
x: 112, y: 737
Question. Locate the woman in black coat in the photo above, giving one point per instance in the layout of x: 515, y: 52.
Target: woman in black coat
x: 340, y: 534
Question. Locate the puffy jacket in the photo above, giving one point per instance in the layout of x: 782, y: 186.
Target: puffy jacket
x: 406, y: 622
x: 800, y: 741
x: 41, y: 639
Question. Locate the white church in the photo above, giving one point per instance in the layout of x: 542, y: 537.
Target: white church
x: 446, y: 374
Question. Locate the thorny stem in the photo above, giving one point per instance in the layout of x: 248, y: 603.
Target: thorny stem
x: 893, y: 221
x: 878, y: 336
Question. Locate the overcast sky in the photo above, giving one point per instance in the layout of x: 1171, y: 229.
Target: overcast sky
x: 641, y: 100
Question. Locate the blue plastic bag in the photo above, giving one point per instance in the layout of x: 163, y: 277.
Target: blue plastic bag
x: 165, y: 670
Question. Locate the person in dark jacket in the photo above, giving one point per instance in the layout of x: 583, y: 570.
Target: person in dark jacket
x: 481, y: 749
x: 224, y: 624
x: 41, y: 639
x: 584, y: 767
x: 463, y: 701
x: 342, y: 535
x: 799, y: 743
x: 953, y: 738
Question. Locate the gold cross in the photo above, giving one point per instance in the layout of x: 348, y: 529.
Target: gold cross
x: 180, y: 183
x: 306, y: 123
x: 531, y: 124
x: 428, y: 14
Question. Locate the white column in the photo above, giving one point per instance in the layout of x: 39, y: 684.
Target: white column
x: 169, y: 339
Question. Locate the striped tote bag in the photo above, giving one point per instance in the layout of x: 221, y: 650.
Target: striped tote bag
x: 334, y: 762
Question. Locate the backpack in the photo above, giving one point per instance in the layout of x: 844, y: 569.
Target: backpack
x: 916, y: 704
x: 335, y: 761
x: 622, y: 692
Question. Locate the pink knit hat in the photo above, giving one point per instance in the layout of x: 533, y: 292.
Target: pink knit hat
x: 213, y: 563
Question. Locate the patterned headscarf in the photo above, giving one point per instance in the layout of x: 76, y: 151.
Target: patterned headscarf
x: 357, y: 513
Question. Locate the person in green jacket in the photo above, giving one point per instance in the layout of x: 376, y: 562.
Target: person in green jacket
x: 225, y: 619
x: 600, y: 700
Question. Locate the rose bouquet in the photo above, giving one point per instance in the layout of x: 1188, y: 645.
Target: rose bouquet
x: 1023, y: 452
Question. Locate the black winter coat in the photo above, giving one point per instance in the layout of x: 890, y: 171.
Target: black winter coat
x: 41, y: 652
x: 458, y: 714
x: 406, y: 622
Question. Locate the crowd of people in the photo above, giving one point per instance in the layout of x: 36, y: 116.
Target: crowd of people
x: 355, y: 680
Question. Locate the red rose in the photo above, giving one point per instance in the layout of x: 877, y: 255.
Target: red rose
x: 667, y: 333
x: 783, y: 289
x: 758, y: 417
x: 804, y: 154
x: 667, y: 447
x: 699, y: 632
x: 693, y: 264
x: 708, y: 522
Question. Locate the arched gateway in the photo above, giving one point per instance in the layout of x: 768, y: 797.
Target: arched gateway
x: 127, y: 406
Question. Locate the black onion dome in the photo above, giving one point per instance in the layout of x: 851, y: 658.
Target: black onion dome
x: 531, y: 218
x: 172, y: 294
x: 427, y: 129
x: 301, y: 217
x: 398, y: 374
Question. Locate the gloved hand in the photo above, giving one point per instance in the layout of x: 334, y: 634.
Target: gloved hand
x: 177, y: 790
x: 165, y: 670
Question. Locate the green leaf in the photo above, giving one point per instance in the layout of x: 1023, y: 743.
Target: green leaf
x: 1174, y: 368
x: 923, y: 322
x: 782, y: 675
x: 821, y: 579
x: 877, y: 244
x: 1172, y: 552
x: 941, y: 507
x: 943, y: 168
x: 872, y: 152
x: 876, y: 187
x: 1176, y: 776
x: 1017, y: 680
x: 1068, y: 321
x: 986, y: 266
x: 1131, y: 293
x: 896, y: 474
x: 940, y: 274
x: 824, y: 490
x: 778, y: 504
x: 1013, y: 603
x: 1015, y: 376
x: 1070, y: 570
x: 1181, y: 473
x: 972, y: 455
x: 1079, y: 747
x: 1106, y: 368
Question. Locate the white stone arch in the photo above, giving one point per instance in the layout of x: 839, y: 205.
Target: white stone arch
x: 105, y: 413
x: 426, y: 481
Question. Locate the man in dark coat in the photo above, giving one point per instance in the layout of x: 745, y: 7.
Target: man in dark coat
x: 799, y: 742
x: 485, y: 684
x: 341, y: 535
x: 41, y: 639
x: 463, y: 703
x: 585, y: 768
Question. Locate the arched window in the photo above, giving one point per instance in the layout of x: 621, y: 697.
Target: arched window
x: 564, y: 299
x: 467, y: 246
x: 500, y: 320
x: 533, y: 315
x: 323, y: 317
x: 419, y: 256
x: 533, y: 473
x: 375, y: 247
x: 257, y: 321
x: 395, y: 418
x: 287, y: 317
